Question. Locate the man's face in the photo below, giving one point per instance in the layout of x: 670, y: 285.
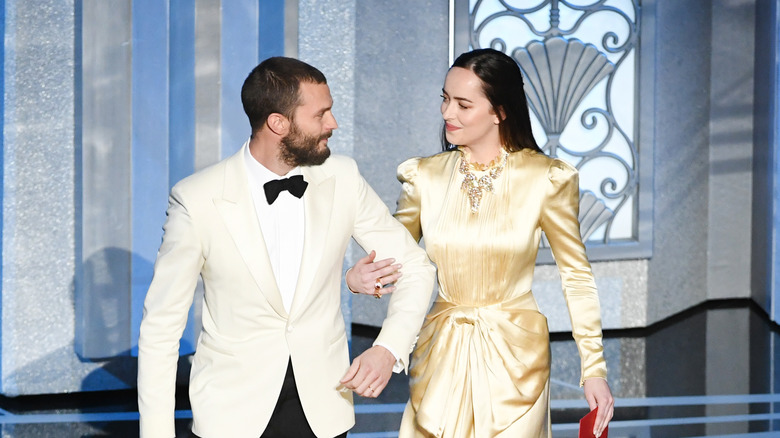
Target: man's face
x: 312, y: 124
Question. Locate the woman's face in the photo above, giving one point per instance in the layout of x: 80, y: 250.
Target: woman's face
x: 468, y: 115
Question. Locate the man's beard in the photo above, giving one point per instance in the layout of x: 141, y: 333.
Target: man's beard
x: 298, y: 149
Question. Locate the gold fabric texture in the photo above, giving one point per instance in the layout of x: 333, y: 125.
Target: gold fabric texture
x: 481, y: 366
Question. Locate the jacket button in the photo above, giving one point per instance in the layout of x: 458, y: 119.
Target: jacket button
x: 290, y: 329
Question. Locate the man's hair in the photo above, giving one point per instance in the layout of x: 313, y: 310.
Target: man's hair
x: 273, y: 87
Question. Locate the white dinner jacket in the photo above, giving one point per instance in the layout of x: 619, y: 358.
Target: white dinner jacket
x: 212, y: 231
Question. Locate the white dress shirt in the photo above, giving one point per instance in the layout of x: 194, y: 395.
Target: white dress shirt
x: 282, y: 224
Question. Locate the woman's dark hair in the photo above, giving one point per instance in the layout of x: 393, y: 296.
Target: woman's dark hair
x: 273, y: 87
x: 502, y: 83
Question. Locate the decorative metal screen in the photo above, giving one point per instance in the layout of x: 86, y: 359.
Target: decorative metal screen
x: 580, y: 61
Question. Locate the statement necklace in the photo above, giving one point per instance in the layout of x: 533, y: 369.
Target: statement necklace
x: 473, y: 186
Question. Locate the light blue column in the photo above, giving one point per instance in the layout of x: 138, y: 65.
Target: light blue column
x: 102, y: 289
x: 181, y: 117
x: 149, y: 146
x: 240, y: 38
x: 271, y: 29
x: 181, y: 128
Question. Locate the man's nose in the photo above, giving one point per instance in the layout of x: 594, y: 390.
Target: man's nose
x: 330, y: 123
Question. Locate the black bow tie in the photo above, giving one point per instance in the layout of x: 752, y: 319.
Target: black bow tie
x: 294, y: 184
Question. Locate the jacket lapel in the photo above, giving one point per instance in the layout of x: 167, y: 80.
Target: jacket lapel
x: 318, y: 210
x: 238, y: 212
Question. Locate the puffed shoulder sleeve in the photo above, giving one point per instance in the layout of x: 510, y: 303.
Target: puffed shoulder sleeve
x: 408, y: 208
x: 562, y: 228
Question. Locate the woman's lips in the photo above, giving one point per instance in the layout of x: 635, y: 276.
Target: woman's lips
x: 451, y: 127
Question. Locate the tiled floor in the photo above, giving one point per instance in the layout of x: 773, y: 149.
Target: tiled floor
x: 712, y: 371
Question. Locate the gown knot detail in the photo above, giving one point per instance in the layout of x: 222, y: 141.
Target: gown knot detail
x: 465, y: 315
x: 455, y: 358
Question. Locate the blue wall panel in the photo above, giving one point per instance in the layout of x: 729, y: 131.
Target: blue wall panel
x: 149, y: 145
x: 271, y: 28
x: 181, y: 130
x: 181, y: 138
x: 240, y: 38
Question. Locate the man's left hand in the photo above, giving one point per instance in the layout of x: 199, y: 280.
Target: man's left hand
x: 370, y: 372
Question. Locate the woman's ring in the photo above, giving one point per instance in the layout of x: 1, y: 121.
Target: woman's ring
x: 378, y: 284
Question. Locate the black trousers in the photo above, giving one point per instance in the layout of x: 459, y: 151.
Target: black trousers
x: 288, y: 419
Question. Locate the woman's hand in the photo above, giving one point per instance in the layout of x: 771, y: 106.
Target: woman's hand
x: 597, y: 393
x: 373, y: 278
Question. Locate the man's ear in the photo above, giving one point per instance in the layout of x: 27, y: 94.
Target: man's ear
x: 278, y: 124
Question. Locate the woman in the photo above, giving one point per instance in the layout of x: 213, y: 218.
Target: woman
x: 481, y: 367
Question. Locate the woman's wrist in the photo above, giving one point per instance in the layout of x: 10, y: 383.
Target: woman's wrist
x: 346, y: 281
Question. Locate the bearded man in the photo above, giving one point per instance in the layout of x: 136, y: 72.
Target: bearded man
x: 267, y: 230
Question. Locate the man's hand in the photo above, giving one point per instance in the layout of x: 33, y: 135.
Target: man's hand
x: 370, y: 372
x: 597, y: 393
x: 364, y: 276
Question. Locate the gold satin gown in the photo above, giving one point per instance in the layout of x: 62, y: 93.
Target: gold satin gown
x: 481, y: 367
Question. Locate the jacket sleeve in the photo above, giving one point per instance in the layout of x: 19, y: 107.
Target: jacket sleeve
x: 375, y: 229
x: 408, y: 209
x: 166, y: 306
x: 559, y: 222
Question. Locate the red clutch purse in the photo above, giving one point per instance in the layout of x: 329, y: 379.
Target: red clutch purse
x: 586, y: 425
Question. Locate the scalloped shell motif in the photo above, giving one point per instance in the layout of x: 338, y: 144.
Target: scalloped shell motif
x: 559, y: 74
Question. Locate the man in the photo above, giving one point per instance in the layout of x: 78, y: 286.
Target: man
x: 267, y: 230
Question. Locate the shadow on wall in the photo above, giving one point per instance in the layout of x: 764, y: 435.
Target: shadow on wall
x: 105, y: 312
x: 103, y: 301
